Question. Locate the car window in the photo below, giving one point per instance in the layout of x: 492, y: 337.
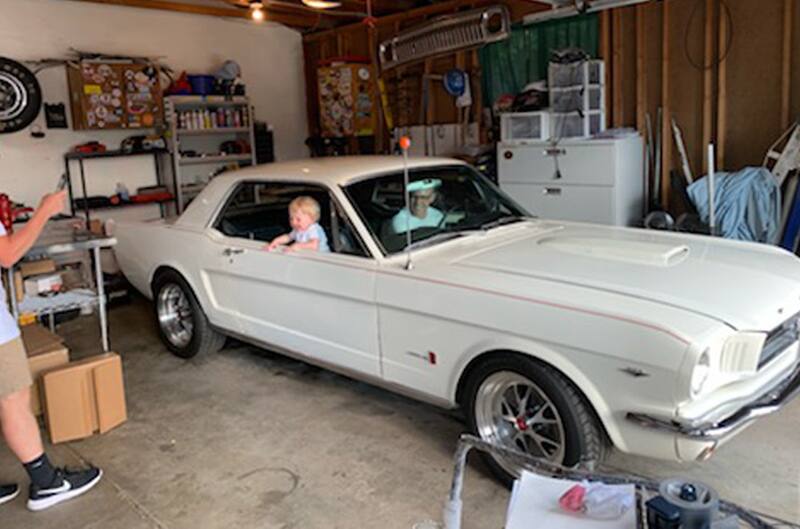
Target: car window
x: 260, y: 211
x: 442, y: 200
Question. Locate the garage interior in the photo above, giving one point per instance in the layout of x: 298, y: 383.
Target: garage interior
x: 248, y: 437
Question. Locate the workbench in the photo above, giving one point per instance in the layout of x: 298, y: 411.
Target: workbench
x: 65, y: 301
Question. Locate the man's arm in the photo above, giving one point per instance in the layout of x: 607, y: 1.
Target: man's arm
x: 14, y: 246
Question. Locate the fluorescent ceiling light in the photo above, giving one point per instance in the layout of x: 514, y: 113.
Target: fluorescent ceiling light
x: 321, y: 4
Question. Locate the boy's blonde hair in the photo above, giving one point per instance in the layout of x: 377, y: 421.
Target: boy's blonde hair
x: 307, y: 205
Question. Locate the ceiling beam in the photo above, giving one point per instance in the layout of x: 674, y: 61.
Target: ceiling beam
x: 289, y: 19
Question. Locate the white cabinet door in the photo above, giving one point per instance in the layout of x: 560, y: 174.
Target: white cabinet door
x: 318, y: 304
x: 576, y: 203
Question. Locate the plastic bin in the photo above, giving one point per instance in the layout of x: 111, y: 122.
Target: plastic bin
x: 202, y: 85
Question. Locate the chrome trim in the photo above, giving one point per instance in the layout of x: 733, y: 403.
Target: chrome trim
x: 779, y: 339
x: 769, y: 402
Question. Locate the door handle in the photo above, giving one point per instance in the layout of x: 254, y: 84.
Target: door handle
x: 551, y: 191
x: 227, y: 252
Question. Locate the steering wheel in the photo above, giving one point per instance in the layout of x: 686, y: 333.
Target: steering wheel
x: 457, y: 208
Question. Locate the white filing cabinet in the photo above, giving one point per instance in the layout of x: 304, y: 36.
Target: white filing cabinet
x: 601, y: 180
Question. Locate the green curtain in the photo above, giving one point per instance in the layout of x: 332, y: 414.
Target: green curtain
x: 511, y: 64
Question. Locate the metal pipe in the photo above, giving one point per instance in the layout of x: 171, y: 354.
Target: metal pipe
x: 711, y: 213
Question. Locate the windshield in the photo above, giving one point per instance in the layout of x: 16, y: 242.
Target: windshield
x: 443, y: 200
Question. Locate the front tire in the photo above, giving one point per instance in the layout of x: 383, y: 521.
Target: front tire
x: 520, y: 403
x: 182, y: 324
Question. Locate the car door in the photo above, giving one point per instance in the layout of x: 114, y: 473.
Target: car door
x: 320, y: 305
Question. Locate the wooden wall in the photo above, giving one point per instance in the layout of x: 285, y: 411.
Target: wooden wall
x: 403, y: 84
x: 741, y: 101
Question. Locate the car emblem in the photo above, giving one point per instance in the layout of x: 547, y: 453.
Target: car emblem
x: 635, y: 372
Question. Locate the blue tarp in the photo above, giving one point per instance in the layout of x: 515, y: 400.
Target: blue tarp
x: 747, y: 204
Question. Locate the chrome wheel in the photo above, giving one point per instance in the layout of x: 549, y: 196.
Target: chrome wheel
x: 175, y: 315
x: 13, y: 97
x: 512, y: 410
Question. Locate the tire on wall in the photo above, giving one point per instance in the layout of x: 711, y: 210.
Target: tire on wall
x: 521, y: 403
x: 20, y: 96
x: 182, y: 324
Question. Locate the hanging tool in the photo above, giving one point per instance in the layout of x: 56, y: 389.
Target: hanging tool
x: 657, y: 161
x: 687, y: 170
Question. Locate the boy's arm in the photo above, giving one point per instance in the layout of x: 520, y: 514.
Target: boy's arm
x: 13, y: 247
x: 313, y: 244
x: 279, y: 240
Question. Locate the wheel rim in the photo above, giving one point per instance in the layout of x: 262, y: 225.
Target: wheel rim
x: 513, y: 411
x: 175, y: 315
x: 13, y: 97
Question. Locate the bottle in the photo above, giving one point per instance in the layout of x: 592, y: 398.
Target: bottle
x: 206, y: 119
x: 236, y: 120
x: 122, y: 191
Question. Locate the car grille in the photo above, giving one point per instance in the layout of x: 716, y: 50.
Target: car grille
x: 779, y: 339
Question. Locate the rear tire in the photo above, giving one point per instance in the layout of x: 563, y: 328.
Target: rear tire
x: 523, y: 404
x: 182, y: 324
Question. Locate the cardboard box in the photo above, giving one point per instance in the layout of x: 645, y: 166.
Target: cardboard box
x: 35, y: 268
x: 19, y: 286
x: 36, y: 285
x: 45, y: 351
x: 96, y: 227
x: 84, y: 397
x: 108, y: 262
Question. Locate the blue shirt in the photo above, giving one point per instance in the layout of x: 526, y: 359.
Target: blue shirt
x: 403, y: 220
x: 313, y: 232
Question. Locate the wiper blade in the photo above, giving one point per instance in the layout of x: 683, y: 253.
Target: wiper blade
x: 502, y: 221
x: 445, y: 235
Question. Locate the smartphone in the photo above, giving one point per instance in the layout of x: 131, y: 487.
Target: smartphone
x: 62, y: 183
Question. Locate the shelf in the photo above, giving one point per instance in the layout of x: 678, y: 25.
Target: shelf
x: 110, y: 154
x: 219, y: 130
x: 61, y: 302
x: 127, y: 205
x: 199, y: 160
x: 215, y: 101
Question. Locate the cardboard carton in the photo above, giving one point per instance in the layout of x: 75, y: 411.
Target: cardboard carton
x: 35, y: 285
x: 84, y: 397
x: 35, y: 268
x: 45, y: 351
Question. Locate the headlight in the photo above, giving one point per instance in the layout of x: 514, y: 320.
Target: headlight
x: 701, y: 373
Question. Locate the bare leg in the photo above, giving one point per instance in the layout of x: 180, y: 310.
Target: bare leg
x: 19, y: 426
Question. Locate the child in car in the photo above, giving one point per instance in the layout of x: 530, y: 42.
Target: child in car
x: 304, y: 213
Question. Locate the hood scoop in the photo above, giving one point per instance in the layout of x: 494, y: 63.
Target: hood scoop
x: 628, y: 251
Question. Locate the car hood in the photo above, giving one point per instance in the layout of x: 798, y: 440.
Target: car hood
x: 749, y: 286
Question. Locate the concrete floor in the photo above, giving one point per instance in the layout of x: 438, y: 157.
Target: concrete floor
x: 250, y: 439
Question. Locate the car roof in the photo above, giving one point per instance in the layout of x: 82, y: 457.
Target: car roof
x: 334, y: 170
x: 330, y: 171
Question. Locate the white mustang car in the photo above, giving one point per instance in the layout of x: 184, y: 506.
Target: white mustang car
x: 555, y: 338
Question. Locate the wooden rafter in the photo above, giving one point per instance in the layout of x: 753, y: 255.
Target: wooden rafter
x: 280, y: 17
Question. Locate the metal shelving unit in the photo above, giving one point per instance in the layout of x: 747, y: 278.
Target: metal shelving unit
x: 81, y: 157
x: 184, y: 139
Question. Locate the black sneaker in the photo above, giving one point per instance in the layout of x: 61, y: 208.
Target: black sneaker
x: 8, y: 493
x: 67, y: 485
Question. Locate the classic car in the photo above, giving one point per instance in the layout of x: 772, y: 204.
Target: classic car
x: 558, y: 339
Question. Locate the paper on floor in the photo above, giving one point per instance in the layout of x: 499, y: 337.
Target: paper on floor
x: 534, y: 503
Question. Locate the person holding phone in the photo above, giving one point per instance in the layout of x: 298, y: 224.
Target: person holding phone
x: 49, y: 485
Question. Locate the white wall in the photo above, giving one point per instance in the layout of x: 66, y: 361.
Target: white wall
x: 271, y: 57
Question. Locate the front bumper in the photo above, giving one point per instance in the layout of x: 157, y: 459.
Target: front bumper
x: 768, y: 402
